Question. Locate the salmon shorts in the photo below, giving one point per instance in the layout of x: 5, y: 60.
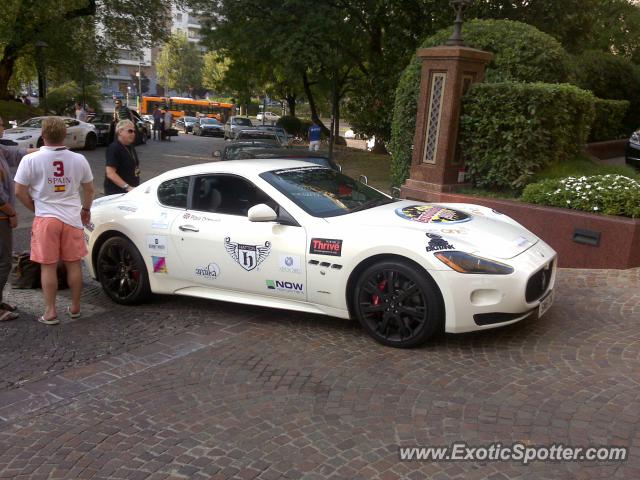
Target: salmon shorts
x: 53, y: 240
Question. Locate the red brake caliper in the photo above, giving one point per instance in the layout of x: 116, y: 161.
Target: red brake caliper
x: 375, y: 299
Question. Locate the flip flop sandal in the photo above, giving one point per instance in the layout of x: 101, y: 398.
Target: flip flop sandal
x: 8, y: 307
x: 6, y: 315
x: 51, y: 321
x: 72, y: 315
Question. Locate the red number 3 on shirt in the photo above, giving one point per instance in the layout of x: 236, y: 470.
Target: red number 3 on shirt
x: 59, y: 169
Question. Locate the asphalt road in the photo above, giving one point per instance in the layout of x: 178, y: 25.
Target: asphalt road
x: 183, y: 388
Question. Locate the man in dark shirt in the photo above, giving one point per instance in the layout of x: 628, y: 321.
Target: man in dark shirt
x: 123, y: 167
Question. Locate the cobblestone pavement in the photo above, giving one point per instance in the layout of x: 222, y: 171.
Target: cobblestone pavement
x: 185, y: 388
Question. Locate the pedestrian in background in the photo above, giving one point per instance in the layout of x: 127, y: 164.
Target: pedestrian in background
x: 157, y: 123
x: 168, y: 120
x: 314, y: 137
x: 122, y: 172
x: 48, y: 183
x: 9, y: 157
x: 81, y: 113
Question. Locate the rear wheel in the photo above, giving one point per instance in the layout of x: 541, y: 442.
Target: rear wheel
x: 90, y: 141
x: 122, y: 272
x: 397, y: 304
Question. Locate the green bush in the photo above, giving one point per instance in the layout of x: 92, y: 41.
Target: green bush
x: 508, y: 131
x: 608, y: 121
x: 606, y: 194
x: 12, y: 110
x: 61, y: 100
x: 292, y: 125
x: 522, y: 54
x: 612, y: 77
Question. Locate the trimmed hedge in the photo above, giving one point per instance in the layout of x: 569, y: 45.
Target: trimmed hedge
x: 522, y: 53
x: 611, y: 77
x: 508, y: 131
x: 12, y: 110
x: 608, y: 123
x: 606, y: 194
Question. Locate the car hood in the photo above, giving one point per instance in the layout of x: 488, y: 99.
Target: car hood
x: 460, y: 226
x: 19, y: 131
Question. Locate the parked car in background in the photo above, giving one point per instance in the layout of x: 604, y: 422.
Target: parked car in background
x: 632, y: 152
x: 268, y: 117
x: 28, y: 134
x: 185, y: 124
x: 208, y: 126
x: 258, y: 134
x: 102, y: 122
x: 234, y: 124
x: 233, y: 150
x: 246, y: 152
x: 286, y: 234
x: 285, y: 138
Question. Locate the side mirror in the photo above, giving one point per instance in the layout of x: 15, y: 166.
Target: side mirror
x: 262, y: 213
x: 339, y: 167
x: 395, y: 192
x: 216, y: 153
x: 363, y: 179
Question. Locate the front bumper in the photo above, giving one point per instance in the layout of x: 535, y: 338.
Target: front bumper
x: 478, y: 302
x: 632, y: 155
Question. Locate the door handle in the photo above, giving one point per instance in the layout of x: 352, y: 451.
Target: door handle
x: 188, y: 228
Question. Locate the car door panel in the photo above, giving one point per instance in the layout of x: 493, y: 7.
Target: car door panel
x: 225, y: 250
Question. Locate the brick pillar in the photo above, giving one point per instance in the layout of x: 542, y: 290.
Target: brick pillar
x: 447, y: 72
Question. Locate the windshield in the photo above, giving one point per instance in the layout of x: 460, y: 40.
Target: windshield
x: 324, y: 193
x: 243, y: 121
x: 208, y: 121
x: 256, y: 136
x: 32, y: 123
x: 190, y: 119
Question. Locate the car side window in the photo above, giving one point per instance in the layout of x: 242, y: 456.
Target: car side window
x: 174, y: 192
x: 227, y: 194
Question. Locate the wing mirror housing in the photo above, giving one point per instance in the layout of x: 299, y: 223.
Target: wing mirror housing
x: 262, y: 213
x: 216, y: 153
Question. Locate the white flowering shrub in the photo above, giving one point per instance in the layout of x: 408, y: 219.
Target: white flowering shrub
x: 606, y: 194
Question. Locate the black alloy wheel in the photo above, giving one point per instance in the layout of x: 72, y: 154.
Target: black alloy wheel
x: 122, y: 272
x: 90, y: 141
x: 397, y: 304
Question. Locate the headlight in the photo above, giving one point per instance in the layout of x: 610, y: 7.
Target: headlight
x: 635, y: 138
x: 466, y: 263
x: 26, y: 137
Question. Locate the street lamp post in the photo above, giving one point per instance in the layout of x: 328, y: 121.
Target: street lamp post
x: 456, y: 37
x: 139, y: 75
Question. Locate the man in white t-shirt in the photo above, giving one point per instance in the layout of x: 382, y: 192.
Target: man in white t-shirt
x: 48, y: 183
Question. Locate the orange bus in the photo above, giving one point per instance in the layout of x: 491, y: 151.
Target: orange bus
x: 181, y: 106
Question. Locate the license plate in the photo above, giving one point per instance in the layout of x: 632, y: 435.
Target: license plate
x: 545, y: 304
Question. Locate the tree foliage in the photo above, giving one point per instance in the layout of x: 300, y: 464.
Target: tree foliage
x: 179, y: 64
x: 78, y: 33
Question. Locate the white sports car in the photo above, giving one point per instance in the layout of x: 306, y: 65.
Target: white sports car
x: 29, y: 133
x: 287, y: 234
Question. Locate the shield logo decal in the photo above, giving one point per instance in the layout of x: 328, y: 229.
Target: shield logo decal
x: 247, y: 256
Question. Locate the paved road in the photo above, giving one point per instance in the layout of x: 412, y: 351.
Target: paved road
x: 184, y: 388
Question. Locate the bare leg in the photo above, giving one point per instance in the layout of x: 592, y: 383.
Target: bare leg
x: 74, y: 279
x: 49, y: 279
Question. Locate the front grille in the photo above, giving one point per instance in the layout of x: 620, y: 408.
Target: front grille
x: 538, y: 283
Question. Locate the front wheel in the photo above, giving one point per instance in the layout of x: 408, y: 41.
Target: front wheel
x: 122, y: 272
x: 397, y: 304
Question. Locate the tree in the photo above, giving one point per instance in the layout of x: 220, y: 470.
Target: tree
x: 214, y: 69
x: 110, y: 25
x: 179, y: 64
